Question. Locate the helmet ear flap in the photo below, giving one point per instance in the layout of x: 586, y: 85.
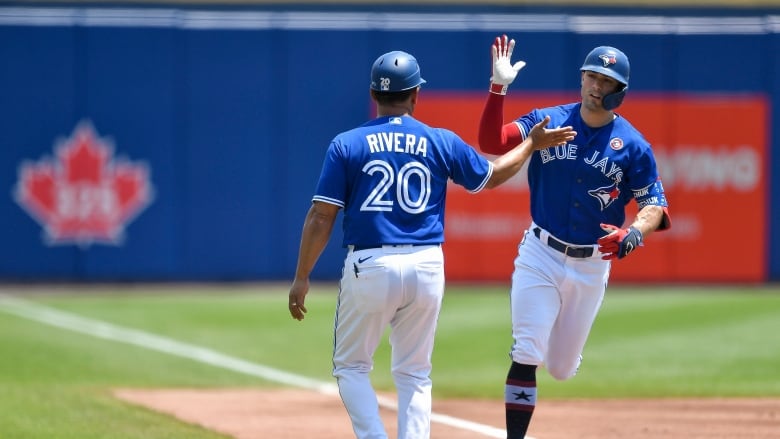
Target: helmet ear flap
x: 613, y: 100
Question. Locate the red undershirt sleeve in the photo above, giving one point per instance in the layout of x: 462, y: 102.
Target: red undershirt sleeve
x: 495, y: 137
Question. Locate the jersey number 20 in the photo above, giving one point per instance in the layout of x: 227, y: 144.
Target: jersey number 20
x: 380, y: 198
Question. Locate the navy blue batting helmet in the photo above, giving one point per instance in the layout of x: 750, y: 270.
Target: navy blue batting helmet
x: 395, y: 71
x: 613, y: 63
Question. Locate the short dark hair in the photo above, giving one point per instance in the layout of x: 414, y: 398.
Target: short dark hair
x: 392, y: 97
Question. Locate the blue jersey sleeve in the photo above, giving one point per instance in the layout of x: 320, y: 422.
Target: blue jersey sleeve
x: 527, y: 121
x: 332, y: 186
x: 644, y: 181
x: 469, y: 169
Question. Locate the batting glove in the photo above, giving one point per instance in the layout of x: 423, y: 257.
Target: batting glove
x: 503, y: 70
x: 619, y: 242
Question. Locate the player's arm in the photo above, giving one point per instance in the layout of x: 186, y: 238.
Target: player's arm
x: 317, y: 228
x: 649, y: 219
x: 494, y: 136
x: 509, y: 164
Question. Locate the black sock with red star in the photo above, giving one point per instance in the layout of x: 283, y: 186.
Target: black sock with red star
x: 519, y: 399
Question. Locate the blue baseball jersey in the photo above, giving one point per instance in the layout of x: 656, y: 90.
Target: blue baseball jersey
x: 390, y: 175
x: 591, y: 179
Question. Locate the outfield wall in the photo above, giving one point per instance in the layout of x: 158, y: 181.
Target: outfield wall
x: 175, y: 143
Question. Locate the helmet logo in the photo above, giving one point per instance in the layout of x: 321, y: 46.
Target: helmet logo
x: 608, y: 59
x: 384, y: 84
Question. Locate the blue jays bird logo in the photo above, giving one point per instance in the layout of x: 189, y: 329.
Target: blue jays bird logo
x: 606, y: 195
x: 608, y: 59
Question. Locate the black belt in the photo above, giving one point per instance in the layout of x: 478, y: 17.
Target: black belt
x: 370, y: 246
x: 574, y: 252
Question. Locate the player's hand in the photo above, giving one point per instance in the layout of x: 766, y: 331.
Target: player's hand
x: 544, y: 138
x: 504, y: 72
x: 297, y: 298
x: 618, y: 243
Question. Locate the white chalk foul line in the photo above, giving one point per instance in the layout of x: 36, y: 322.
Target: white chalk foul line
x: 108, y: 331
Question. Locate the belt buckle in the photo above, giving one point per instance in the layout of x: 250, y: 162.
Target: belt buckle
x: 579, y: 252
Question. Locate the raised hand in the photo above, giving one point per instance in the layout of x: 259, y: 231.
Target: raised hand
x: 504, y: 72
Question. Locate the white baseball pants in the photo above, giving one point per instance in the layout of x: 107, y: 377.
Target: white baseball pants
x: 399, y: 286
x: 554, y: 301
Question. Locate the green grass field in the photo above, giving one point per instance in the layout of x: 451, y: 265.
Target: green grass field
x: 647, y: 342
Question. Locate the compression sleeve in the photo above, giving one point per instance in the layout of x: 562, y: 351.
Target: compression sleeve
x: 495, y: 138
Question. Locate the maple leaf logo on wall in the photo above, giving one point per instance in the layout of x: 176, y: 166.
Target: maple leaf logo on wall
x: 83, y: 196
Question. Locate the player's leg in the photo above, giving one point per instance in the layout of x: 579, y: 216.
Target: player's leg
x: 365, y: 307
x: 412, y: 339
x: 581, y: 298
x: 534, y: 304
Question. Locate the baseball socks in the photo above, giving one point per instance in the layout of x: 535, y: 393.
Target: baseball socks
x: 519, y: 399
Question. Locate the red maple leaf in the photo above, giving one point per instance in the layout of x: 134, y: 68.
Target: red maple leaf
x: 36, y: 188
x: 82, y: 196
x: 84, y: 157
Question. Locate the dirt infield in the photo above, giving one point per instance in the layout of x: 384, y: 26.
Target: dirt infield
x: 294, y: 414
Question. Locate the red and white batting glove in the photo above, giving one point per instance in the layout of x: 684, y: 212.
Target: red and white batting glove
x: 619, y: 242
x: 503, y: 70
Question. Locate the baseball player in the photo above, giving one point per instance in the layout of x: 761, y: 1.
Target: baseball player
x: 390, y: 176
x: 578, y: 196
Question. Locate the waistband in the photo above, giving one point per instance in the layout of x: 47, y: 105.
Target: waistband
x: 573, y: 251
x: 356, y: 248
